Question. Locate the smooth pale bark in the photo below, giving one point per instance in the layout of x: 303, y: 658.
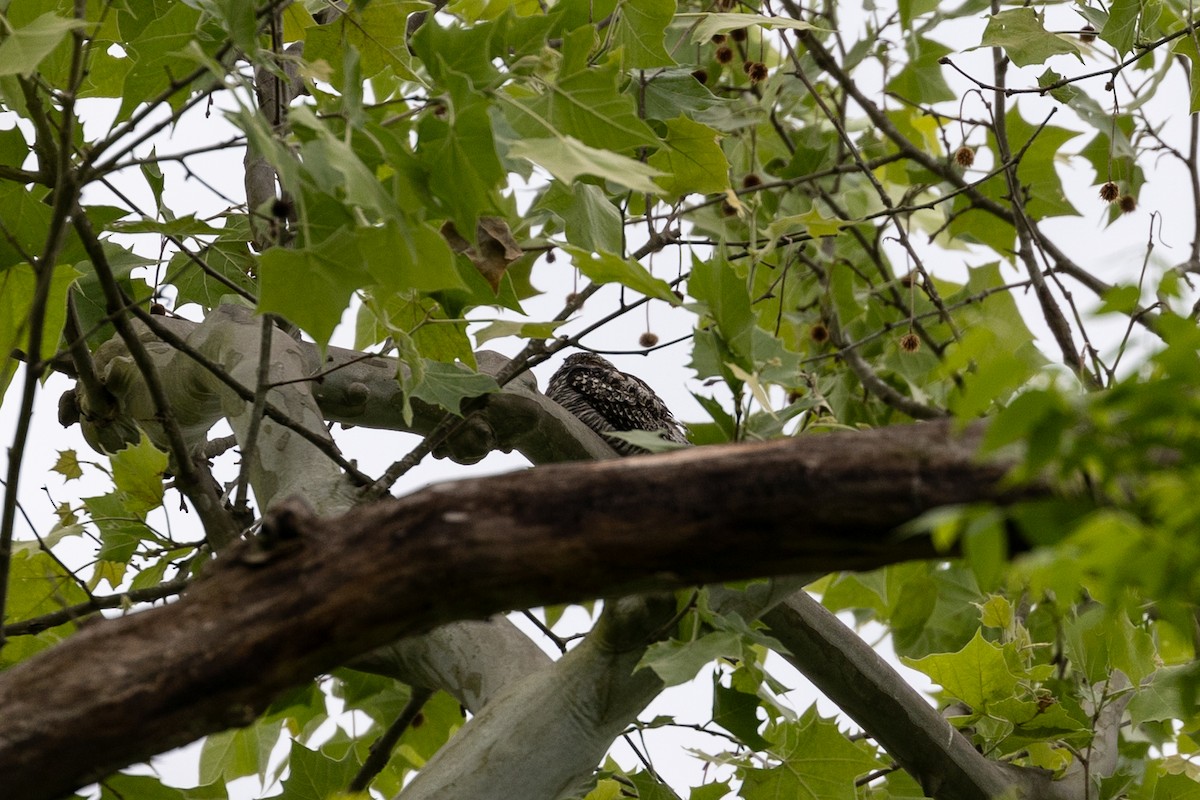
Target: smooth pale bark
x: 317, y: 591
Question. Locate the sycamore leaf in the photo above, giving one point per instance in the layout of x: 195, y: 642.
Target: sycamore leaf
x: 138, y: 474
x: 24, y: 48
x: 1024, y: 38
x: 692, y: 160
x: 737, y: 712
x: 707, y: 24
x: 818, y: 762
x: 67, y: 465
x: 312, y: 774
x: 311, y: 287
x: 1120, y: 29
x: 1186, y: 46
x: 566, y: 158
x: 525, y: 330
x: 17, y: 284
x: 639, y: 33
x: 676, y: 662
x: 647, y: 440
x: 608, y: 268
x: 447, y: 385
x: 583, y: 103
x: 978, y: 674
x: 404, y: 257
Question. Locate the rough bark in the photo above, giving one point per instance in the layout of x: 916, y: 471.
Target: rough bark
x: 318, y: 592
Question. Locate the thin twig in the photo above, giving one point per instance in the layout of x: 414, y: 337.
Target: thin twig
x: 381, y: 749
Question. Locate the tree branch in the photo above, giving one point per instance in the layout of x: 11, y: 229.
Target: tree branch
x: 317, y: 592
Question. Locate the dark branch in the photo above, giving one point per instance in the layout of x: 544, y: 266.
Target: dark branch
x: 316, y: 592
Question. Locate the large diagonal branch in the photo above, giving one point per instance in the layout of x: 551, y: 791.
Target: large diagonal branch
x: 317, y: 592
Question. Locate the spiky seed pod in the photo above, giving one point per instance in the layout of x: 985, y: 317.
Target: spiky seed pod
x: 718, y: 38
x: 738, y: 34
x: 1109, y: 192
x: 751, y: 181
x: 1128, y: 203
x: 608, y: 400
x: 701, y: 75
x: 1087, y: 34
x: 758, y: 72
x: 910, y: 343
x: 819, y: 333
x: 724, y: 54
x: 964, y: 156
x: 648, y: 339
x: 727, y: 209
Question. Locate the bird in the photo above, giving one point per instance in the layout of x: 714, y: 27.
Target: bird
x: 608, y: 400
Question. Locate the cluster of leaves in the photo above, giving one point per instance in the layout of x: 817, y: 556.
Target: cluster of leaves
x: 739, y: 138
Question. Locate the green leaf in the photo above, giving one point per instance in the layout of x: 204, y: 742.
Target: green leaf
x: 978, y: 674
x: 67, y: 465
x: 920, y: 79
x: 647, y: 440
x: 226, y: 258
x: 716, y: 283
x: 1038, y: 170
x: 607, y: 268
x: 818, y: 762
x: 236, y: 753
x: 25, y: 47
x: 1122, y: 26
x: 524, y: 330
x: 567, y: 158
x: 181, y: 227
x: 461, y: 162
x: 1186, y: 46
x: 447, y: 385
x: 639, y: 33
x: 692, y: 160
x: 138, y: 474
x: 314, y: 776
x: 17, y: 286
x: 378, y: 31
x: 676, y: 662
x: 583, y: 104
x: 737, y: 712
x: 311, y: 287
x: 1026, y: 41
x: 708, y: 24
x: 402, y: 257
x: 591, y: 220
x: 37, y: 585
x: 158, y: 56
x: 121, y: 531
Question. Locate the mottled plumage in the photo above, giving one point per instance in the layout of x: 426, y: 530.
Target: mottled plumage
x: 607, y: 400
